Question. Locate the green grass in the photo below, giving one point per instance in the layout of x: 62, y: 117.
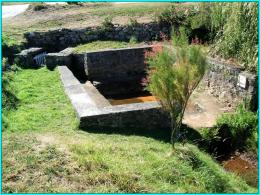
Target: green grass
x: 15, y: 3
x: 100, y: 45
x: 128, y: 10
x: 44, y: 151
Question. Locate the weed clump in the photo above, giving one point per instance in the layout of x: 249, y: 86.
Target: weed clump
x: 38, y: 7
x: 233, y: 131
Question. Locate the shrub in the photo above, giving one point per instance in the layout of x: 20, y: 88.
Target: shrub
x: 107, y: 23
x: 233, y: 131
x: 9, y: 100
x: 133, y: 22
x: 133, y: 40
x: 240, y: 126
x: 38, y: 6
x: 10, y: 47
x: 177, y: 16
x: 173, y: 76
x: 170, y: 16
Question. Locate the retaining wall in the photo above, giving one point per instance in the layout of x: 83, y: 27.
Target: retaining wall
x: 231, y: 84
x: 56, y: 40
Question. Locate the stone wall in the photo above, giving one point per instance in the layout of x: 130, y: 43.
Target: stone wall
x: 25, y: 57
x: 56, y: 40
x: 231, y: 84
x: 115, y: 64
x: 64, y: 57
x: 116, y: 71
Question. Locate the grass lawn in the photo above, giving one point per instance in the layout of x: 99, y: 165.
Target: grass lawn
x: 44, y: 151
x: 100, y: 45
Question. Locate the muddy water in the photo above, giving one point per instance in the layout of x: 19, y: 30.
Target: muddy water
x: 242, y: 168
x: 132, y: 100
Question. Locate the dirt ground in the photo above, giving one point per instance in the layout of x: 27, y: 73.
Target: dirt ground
x: 203, y: 109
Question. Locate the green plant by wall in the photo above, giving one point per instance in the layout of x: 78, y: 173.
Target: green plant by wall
x: 9, y: 99
x: 173, y: 76
x: 233, y: 131
x: 173, y: 17
x: 132, y: 22
x: 233, y: 30
x: 133, y: 40
x: 107, y: 23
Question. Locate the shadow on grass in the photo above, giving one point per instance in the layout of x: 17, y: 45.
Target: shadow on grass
x: 187, y: 134
x: 159, y: 134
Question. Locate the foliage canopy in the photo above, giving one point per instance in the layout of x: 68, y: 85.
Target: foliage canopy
x: 174, y: 74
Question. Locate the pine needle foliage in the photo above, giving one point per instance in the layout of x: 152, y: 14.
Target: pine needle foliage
x: 174, y: 74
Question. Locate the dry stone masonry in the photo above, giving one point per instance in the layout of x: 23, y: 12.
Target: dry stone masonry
x: 231, y: 84
x: 56, y: 40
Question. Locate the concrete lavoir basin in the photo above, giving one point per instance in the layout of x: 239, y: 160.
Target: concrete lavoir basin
x: 118, y: 72
x: 110, y: 74
x: 94, y: 110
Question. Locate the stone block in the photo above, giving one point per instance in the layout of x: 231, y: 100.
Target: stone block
x: 25, y: 57
x: 62, y: 58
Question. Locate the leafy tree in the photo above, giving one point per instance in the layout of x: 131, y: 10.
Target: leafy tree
x: 174, y: 73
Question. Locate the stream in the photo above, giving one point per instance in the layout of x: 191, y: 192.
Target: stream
x: 243, y: 167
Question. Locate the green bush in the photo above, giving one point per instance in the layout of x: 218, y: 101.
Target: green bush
x: 107, y: 23
x: 10, y: 47
x: 38, y: 6
x: 9, y: 99
x: 173, y: 75
x: 242, y: 124
x: 233, y: 131
x: 172, y: 16
x: 133, y: 40
x: 133, y: 22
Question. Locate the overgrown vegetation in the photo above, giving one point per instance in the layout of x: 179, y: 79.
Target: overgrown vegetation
x: 10, y: 46
x: 175, y: 16
x: 9, y: 100
x: 107, y: 23
x: 173, y: 76
x: 231, y: 28
x: 234, y: 30
x: 38, y: 6
x: 233, y: 131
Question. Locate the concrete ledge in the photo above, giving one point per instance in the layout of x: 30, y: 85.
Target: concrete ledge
x: 73, y: 88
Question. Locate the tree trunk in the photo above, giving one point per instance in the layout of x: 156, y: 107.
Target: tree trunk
x: 172, y: 132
